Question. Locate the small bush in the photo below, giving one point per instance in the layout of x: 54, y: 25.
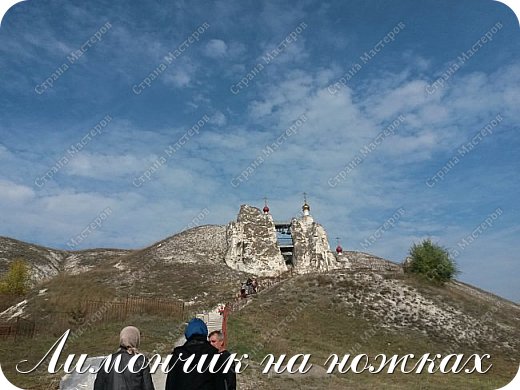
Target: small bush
x: 432, y: 261
x: 16, y: 281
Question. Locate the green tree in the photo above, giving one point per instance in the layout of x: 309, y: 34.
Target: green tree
x: 432, y: 261
x: 16, y: 281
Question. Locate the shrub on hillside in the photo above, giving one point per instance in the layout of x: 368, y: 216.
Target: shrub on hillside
x: 16, y: 281
x: 432, y: 261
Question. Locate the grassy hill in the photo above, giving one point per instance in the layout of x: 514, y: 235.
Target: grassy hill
x: 344, y: 312
x: 367, y: 313
x: 46, y: 263
x: 187, y: 266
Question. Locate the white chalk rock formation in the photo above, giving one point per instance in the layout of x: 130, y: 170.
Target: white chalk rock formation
x: 311, y: 247
x: 252, y: 245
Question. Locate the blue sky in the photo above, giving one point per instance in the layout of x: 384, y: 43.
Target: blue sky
x: 349, y: 69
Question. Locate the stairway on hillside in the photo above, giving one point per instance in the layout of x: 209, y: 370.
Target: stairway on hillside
x: 213, y: 320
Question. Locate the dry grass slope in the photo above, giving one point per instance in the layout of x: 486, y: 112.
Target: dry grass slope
x: 363, y: 312
x: 349, y: 311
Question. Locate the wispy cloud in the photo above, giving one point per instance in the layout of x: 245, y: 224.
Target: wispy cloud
x: 298, y: 69
x: 216, y: 48
x: 107, y: 167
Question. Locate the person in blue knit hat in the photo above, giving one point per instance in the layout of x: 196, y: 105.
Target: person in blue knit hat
x: 197, y: 344
x: 196, y: 326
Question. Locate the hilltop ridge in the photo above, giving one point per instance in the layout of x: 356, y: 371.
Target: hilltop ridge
x: 365, y: 299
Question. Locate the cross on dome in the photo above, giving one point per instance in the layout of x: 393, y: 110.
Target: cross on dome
x: 266, y: 208
x: 305, y: 208
x: 339, y: 249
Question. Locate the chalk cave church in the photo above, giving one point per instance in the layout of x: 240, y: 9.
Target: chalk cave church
x: 259, y: 245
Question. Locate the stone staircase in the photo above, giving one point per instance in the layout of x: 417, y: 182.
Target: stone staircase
x: 213, y: 319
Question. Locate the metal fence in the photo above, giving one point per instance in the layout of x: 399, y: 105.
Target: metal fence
x: 93, y: 312
x: 19, y: 328
x: 120, y: 310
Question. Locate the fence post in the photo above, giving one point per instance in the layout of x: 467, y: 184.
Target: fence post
x: 126, y: 308
x: 17, y: 326
x: 225, y: 316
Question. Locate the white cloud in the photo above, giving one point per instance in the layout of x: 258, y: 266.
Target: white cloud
x: 337, y: 126
x: 4, y: 152
x: 236, y: 139
x: 294, y: 52
x: 411, y: 148
x: 179, y: 78
x: 11, y: 192
x: 65, y: 213
x: 68, y: 204
x: 182, y: 74
x: 218, y: 119
x: 296, y: 87
x: 102, y: 166
x: 236, y: 49
x: 216, y: 48
x: 405, y: 98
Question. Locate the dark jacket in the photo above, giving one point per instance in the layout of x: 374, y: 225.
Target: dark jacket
x: 177, y: 379
x: 230, y: 377
x: 126, y: 380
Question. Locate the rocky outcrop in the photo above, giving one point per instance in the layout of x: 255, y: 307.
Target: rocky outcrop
x: 360, y: 261
x: 43, y: 262
x: 202, y: 245
x: 311, y: 247
x: 397, y: 304
x: 252, y: 245
x: 46, y: 263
